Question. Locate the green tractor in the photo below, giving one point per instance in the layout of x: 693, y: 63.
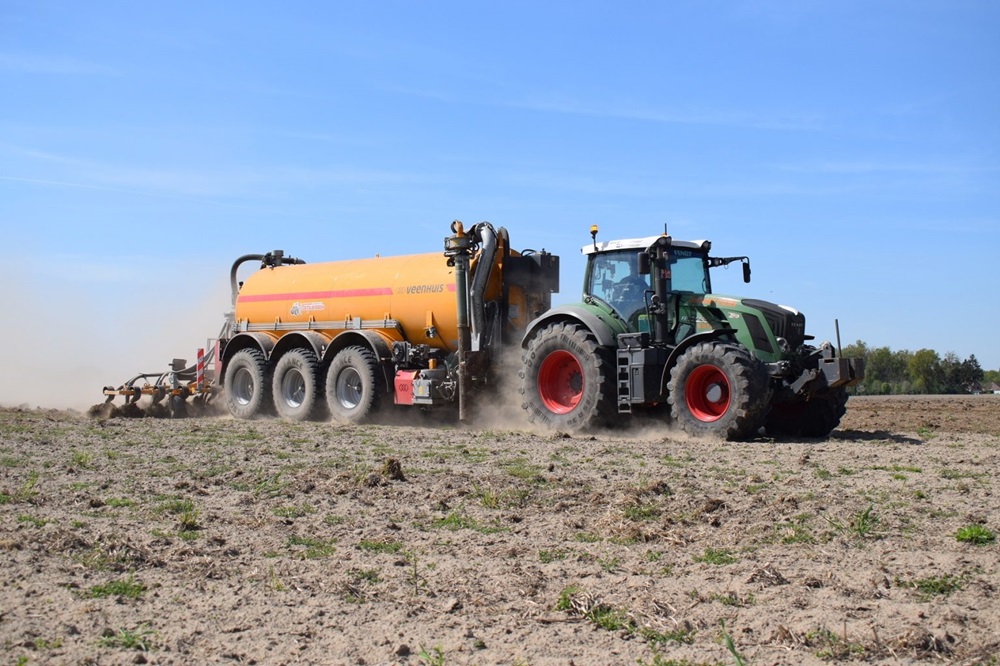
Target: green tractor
x: 650, y: 335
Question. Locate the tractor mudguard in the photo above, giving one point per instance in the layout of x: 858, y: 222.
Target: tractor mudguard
x: 604, y: 333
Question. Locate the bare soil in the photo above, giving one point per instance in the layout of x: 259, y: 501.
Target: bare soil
x: 210, y: 540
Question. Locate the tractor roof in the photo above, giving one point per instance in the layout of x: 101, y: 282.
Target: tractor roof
x: 639, y: 244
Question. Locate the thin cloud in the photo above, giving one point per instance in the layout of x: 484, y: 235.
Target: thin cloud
x: 869, y: 167
x: 37, y: 64
x: 630, y: 111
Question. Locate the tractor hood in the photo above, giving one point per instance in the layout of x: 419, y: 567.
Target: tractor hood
x: 760, y: 323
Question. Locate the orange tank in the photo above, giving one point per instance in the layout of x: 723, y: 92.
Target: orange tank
x: 409, y: 297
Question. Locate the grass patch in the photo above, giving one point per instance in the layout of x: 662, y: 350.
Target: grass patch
x: 977, y: 535
x: 457, y: 521
x: 935, y: 586
x: 734, y: 600
x: 81, y: 459
x: 139, y: 638
x: 293, y: 512
x: 25, y: 492
x: 715, y: 556
x: 309, y: 548
x: 390, y: 547
x: 521, y: 469
x: 124, y: 588
x: 642, y: 511
x: 573, y: 600
x: 554, y: 555
x: 31, y: 520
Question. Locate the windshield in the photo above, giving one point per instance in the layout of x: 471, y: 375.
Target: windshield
x: 688, y: 272
x: 614, y: 278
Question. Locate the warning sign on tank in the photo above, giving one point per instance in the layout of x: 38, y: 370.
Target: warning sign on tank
x: 299, y: 308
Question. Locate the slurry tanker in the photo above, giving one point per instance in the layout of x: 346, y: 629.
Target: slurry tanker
x: 347, y: 340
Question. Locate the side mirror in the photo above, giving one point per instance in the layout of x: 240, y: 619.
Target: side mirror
x: 746, y: 270
x: 644, y: 263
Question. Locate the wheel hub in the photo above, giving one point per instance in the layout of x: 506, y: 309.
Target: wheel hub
x: 707, y: 393
x: 560, y: 382
x: 293, y: 388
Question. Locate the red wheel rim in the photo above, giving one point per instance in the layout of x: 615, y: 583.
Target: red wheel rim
x: 560, y: 382
x: 707, y: 393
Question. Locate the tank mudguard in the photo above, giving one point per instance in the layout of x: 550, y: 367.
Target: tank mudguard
x: 601, y: 329
x: 260, y: 341
x: 370, y: 339
x: 317, y: 342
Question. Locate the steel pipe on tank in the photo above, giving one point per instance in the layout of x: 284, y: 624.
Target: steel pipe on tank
x: 458, y: 249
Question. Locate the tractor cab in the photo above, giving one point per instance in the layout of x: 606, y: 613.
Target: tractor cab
x: 641, y: 279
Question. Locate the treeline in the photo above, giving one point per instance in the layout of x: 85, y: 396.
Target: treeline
x: 889, y: 372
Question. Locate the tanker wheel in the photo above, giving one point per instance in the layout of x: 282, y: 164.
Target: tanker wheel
x: 248, y: 385
x: 718, y: 389
x: 816, y: 417
x: 353, y: 385
x: 296, y: 386
x: 565, y: 380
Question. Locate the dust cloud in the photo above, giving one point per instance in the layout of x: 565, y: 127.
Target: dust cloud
x: 65, y: 340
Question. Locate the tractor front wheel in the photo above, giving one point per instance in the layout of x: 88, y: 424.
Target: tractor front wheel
x: 565, y: 381
x: 717, y: 389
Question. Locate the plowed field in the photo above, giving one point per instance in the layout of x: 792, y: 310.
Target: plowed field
x: 210, y: 540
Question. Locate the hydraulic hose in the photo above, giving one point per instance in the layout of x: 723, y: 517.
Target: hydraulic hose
x: 487, y: 237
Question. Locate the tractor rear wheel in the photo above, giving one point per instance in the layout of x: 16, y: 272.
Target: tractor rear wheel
x: 296, y: 385
x: 248, y: 384
x: 354, y: 388
x: 717, y: 389
x: 816, y: 417
x: 565, y: 379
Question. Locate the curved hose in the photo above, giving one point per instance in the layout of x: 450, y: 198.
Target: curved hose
x: 233, y: 284
x: 487, y: 237
x: 271, y: 259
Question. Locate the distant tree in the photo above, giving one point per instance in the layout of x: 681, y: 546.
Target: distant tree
x: 951, y: 373
x: 971, y: 373
x: 857, y: 350
x: 925, y: 371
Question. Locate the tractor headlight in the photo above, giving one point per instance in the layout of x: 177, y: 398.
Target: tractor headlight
x: 783, y: 345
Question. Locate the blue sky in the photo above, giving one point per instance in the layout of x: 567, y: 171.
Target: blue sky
x: 851, y: 149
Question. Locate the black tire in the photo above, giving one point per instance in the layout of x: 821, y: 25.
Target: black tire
x: 354, y: 385
x: 178, y: 406
x: 566, y: 381
x: 248, y: 384
x: 816, y: 417
x: 296, y: 386
x: 717, y: 389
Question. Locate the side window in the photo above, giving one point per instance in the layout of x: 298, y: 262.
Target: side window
x: 602, y: 277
